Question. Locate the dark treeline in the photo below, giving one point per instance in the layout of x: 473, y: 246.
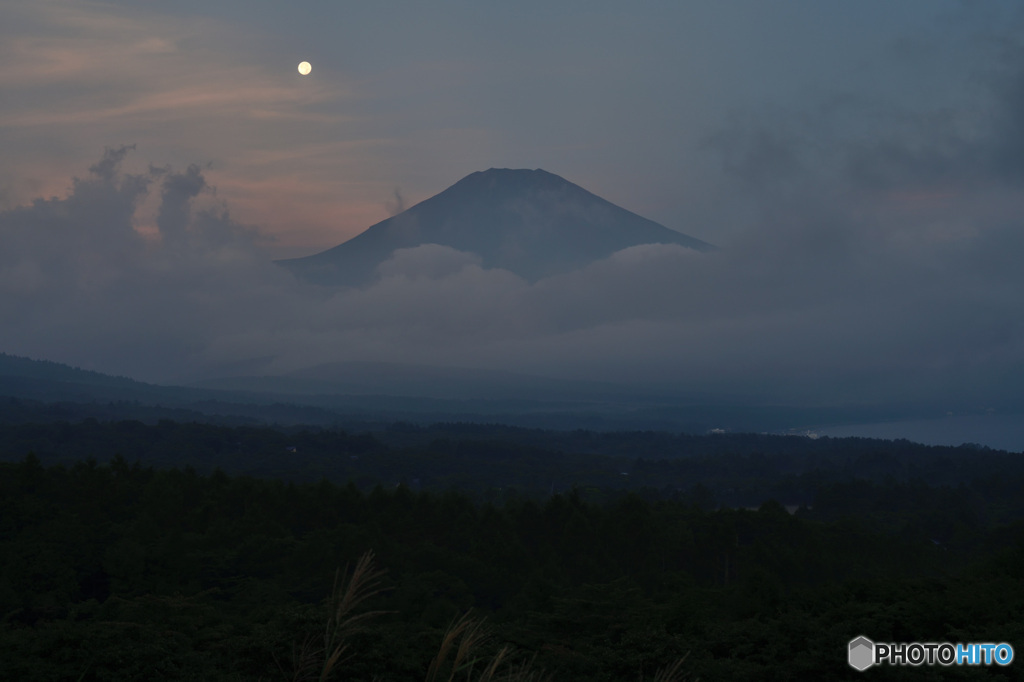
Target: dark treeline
x: 944, y: 491
x: 124, y: 571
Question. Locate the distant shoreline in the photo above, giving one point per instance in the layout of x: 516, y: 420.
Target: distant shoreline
x: 998, y: 431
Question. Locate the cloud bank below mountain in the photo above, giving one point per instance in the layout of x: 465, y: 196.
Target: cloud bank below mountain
x: 842, y: 296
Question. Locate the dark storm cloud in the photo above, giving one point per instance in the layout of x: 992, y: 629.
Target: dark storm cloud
x: 756, y: 155
x: 882, y: 257
x: 959, y: 149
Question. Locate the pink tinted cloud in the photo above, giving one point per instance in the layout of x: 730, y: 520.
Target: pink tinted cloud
x: 81, y: 78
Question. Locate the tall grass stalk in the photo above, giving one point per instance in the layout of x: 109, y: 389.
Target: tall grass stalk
x: 348, y: 593
x: 469, y: 633
x: 461, y: 642
x: 673, y: 673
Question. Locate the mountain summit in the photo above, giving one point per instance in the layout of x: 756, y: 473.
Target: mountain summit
x: 530, y: 222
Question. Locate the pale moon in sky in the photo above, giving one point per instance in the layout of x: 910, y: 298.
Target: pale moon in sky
x: 305, y: 68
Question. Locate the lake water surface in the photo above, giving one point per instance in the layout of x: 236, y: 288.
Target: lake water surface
x: 999, y: 431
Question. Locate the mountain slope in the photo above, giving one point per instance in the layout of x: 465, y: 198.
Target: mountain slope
x: 531, y: 222
x: 424, y: 381
x: 20, y: 370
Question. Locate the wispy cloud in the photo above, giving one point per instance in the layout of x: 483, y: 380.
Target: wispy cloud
x: 88, y: 74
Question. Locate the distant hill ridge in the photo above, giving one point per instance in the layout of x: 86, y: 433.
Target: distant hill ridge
x: 531, y: 222
x: 362, y: 392
x: 47, y: 370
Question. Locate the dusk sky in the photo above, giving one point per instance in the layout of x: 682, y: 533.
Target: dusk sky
x: 860, y: 164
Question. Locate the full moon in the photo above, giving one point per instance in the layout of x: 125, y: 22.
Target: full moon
x: 305, y: 68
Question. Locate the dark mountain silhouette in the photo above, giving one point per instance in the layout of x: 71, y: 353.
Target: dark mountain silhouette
x: 458, y: 383
x: 14, y: 369
x: 361, y: 393
x: 531, y: 222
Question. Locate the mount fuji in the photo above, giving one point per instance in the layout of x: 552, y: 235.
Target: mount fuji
x: 530, y: 222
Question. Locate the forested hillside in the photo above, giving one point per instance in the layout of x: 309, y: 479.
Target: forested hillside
x: 121, y: 571
x: 196, y: 551
x: 828, y: 477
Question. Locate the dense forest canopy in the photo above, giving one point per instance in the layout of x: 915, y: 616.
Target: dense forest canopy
x: 196, y: 551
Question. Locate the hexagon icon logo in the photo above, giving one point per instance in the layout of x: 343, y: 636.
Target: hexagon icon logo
x: 862, y: 653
